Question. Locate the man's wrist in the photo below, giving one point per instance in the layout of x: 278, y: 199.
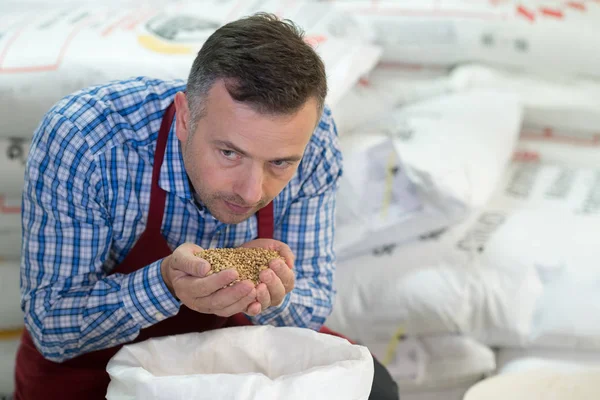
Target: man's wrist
x: 164, y: 271
x: 146, y: 296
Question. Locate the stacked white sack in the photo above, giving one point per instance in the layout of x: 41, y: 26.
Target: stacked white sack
x: 384, y: 88
x: 506, y: 276
x: 555, y: 103
x: 423, y: 168
x: 558, y: 37
x: 46, y: 54
x: 561, y: 148
x: 423, y: 366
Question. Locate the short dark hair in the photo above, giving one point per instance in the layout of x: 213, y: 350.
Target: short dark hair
x: 263, y: 61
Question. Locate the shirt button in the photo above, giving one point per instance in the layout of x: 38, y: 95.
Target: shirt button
x: 159, y: 316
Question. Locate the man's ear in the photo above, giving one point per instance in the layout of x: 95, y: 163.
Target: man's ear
x: 182, y: 117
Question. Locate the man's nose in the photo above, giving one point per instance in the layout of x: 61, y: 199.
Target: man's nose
x: 250, y: 186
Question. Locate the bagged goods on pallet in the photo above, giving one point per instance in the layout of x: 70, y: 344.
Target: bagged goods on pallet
x: 13, y: 156
x: 249, y: 362
x: 576, y: 149
x: 433, y: 363
x: 506, y: 276
x: 551, y: 103
x: 384, y: 88
x: 47, y: 54
x: 561, y: 37
x: 11, y: 316
x: 423, y: 168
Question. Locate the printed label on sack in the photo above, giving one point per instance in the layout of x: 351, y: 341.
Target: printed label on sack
x: 485, y: 226
x: 534, y: 186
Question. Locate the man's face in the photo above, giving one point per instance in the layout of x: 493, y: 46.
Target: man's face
x: 237, y: 159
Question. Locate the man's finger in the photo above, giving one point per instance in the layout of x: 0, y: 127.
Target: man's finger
x: 286, y: 253
x: 263, y: 297
x: 245, y: 303
x: 187, y: 262
x: 274, y: 285
x: 226, y: 297
x: 203, y: 287
x: 285, y: 275
x: 254, y: 309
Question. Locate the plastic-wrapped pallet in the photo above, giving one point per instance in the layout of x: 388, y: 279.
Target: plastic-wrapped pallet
x: 423, y: 167
x: 506, y: 276
x: 48, y: 53
x: 541, y: 36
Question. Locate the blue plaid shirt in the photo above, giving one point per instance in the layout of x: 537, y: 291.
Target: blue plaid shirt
x: 85, y: 202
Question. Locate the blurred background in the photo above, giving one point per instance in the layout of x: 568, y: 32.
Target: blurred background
x: 468, y: 215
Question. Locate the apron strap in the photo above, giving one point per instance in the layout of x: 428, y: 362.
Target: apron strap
x: 157, y: 195
x: 265, y: 221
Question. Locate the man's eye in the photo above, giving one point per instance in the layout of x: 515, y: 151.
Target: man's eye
x: 280, y: 164
x: 229, y: 154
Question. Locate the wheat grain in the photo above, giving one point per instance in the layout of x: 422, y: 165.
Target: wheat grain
x: 248, y: 262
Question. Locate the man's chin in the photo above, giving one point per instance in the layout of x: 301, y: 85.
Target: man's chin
x: 226, y: 216
x: 232, y: 219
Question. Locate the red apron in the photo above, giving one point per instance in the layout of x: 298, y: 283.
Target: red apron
x: 85, y: 376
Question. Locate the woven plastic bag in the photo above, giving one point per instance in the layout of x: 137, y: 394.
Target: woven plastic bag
x: 242, y: 363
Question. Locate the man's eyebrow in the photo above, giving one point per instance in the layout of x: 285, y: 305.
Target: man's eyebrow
x: 228, y: 145
x: 289, y: 159
x: 231, y: 146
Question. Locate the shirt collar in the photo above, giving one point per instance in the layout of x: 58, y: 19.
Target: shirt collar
x: 173, y: 178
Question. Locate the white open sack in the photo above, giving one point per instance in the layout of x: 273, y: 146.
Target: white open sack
x: 251, y: 362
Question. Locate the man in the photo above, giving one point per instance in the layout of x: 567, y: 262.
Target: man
x: 126, y: 181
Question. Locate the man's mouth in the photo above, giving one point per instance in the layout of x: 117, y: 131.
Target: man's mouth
x: 237, y: 209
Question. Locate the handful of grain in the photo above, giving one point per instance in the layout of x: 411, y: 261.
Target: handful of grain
x: 247, y: 261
